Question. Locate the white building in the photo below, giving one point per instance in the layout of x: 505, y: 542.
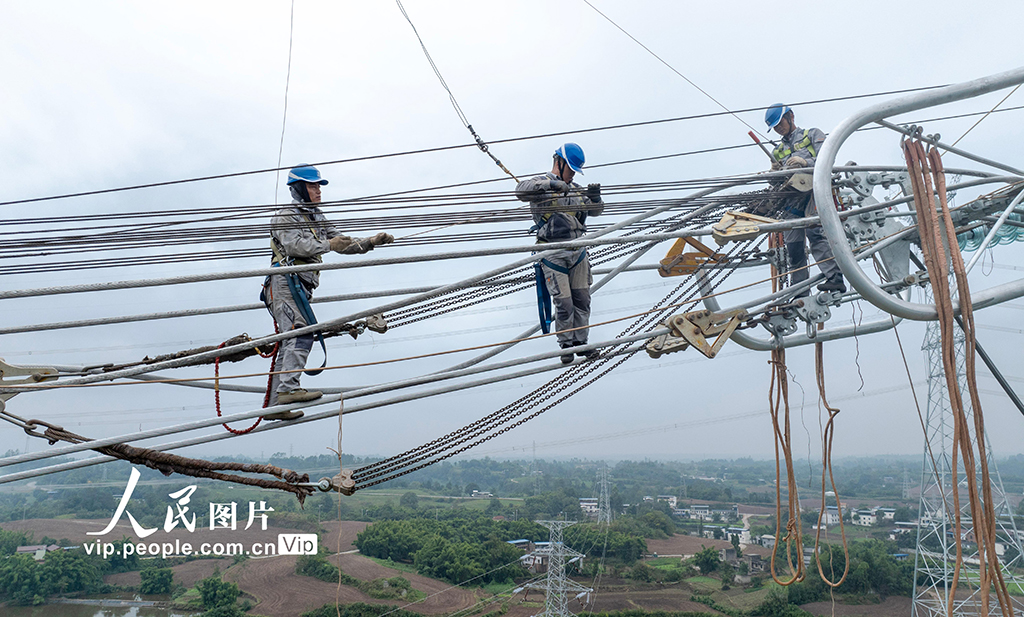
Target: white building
x: 832, y: 516
x: 700, y: 512
x: 864, y: 518
x: 670, y: 499
x: 589, y: 506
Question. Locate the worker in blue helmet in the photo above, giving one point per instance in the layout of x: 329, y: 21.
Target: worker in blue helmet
x: 560, y: 208
x: 300, y: 234
x: 798, y: 148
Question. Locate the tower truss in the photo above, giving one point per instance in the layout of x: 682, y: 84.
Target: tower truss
x: 558, y: 587
x: 935, y: 558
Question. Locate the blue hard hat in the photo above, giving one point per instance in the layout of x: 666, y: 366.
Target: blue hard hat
x: 773, y: 115
x: 305, y: 173
x: 572, y: 154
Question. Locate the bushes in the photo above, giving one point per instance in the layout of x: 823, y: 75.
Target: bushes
x: 319, y: 568
x: 395, y: 587
x: 641, y: 572
x: 454, y: 550
x: 360, y: 609
x: 216, y: 593
x: 156, y: 580
x: 26, y: 581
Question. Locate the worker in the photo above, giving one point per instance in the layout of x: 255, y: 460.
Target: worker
x: 300, y: 234
x: 797, y: 149
x: 560, y: 208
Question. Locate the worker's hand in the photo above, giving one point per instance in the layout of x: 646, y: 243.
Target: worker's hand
x: 594, y: 193
x: 340, y: 243
x: 558, y: 186
x: 382, y: 238
x: 363, y: 245
x: 795, y: 162
x: 776, y: 166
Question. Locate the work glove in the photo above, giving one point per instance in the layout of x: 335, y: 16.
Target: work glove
x: 794, y: 162
x: 776, y: 166
x: 558, y: 186
x: 363, y: 245
x: 382, y: 238
x: 339, y: 244
x: 594, y: 193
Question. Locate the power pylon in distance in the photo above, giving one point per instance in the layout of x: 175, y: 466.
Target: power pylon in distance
x: 604, y: 503
x: 936, y: 542
x: 557, y: 586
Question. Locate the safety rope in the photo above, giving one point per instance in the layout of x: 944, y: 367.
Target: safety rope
x: 670, y: 67
x: 778, y: 402
x: 936, y: 229
x: 167, y: 463
x: 451, y: 96
x: 216, y: 393
x: 987, y: 114
x: 826, y: 465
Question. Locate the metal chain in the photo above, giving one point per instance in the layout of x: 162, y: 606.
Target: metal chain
x: 407, y: 462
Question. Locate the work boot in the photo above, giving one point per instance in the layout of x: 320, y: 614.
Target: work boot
x: 298, y: 396
x: 589, y: 355
x: 567, y: 358
x: 834, y: 283
x: 284, y: 415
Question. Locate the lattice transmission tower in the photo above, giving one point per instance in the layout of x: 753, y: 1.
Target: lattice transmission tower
x: 557, y: 587
x: 936, y: 545
x: 604, y: 502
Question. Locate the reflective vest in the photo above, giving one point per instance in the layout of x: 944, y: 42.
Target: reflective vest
x: 782, y: 150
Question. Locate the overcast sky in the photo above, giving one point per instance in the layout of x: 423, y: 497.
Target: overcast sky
x: 106, y: 94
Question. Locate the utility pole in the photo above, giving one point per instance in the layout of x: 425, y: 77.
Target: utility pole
x: 557, y: 586
x: 604, y: 502
x: 906, y: 484
x: 935, y: 558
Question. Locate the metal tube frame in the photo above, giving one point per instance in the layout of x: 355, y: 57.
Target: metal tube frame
x: 830, y: 220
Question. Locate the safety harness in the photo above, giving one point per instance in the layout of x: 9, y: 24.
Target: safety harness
x: 298, y: 289
x: 544, y: 309
x: 782, y: 150
x: 543, y: 295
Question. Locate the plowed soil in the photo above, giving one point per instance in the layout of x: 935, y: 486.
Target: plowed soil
x: 187, y: 574
x: 691, y: 545
x: 283, y: 593
x: 891, y: 606
x: 349, y: 529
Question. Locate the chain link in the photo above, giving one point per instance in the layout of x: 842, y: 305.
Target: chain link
x: 444, y: 448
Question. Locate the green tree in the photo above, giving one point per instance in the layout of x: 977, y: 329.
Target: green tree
x: 735, y: 539
x: 728, y: 574
x: 409, y: 500
x: 641, y: 572
x: 11, y: 540
x: 156, y: 580
x: 906, y: 514
x: 217, y: 593
x: 706, y: 559
x: 19, y: 579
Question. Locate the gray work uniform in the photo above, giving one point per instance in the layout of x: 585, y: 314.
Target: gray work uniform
x: 300, y: 234
x: 806, y: 147
x: 561, y: 217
